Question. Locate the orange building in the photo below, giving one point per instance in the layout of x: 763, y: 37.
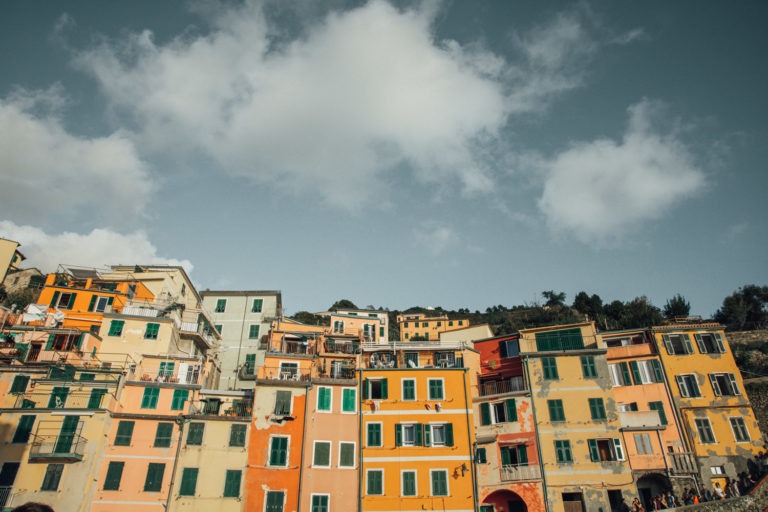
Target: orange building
x: 418, y: 326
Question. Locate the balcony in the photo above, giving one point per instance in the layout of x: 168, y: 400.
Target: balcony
x: 516, y: 473
x: 502, y: 386
x: 682, y: 463
x: 333, y: 346
x: 168, y: 372
x: 631, y: 420
x: 199, y: 332
x: 6, y: 493
x: 286, y: 374
x: 60, y: 448
x: 217, y: 407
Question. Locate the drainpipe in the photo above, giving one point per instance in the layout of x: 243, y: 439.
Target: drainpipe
x: 180, y: 421
x: 536, y: 432
x: 240, y: 342
x: 360, y: 439
x: 472, y: 446
x: 303, y: 443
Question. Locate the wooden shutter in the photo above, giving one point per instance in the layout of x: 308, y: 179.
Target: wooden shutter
x: 485, y: 413
x: 715, y: 385
x: 398, y: 435
x: 480, y: 456
x: 92, y: 304
x: 657, y: 372
x: 511, y: 407
x: 636, y: 372
x: 668, y: 344
x: 449, y: 434
x: 700, y: 343
x: 719, y: 341
x: 594, y: 453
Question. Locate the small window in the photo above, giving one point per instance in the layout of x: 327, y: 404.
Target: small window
x: 436, y: 389
x: 550, y: 368
x: 740, y: 432
x: 605, y: 450
x: 282, y: 403
x: 150, y: 398
x: 588, y: 368
x: 154, y: 480
x: 563, y: 451
x: 373, y: 438
x: 374, y: 482
x: 659, y: 407
x: 24, y: 429
x: 58, y: 398
x: 278, y: 451
x: 163, y: 435
x: 710, y: 343
x: 253, y: 331
x: 597, y: 408
x: 124, y: 433
x: 180, y: 397
x: 20, y: 383
x: 677, y: 344
x: 275, y: 501
x: 221, y: 306
x: 195, y: 435
x: 321, y: 458
x: 375, y: 388
x: 346, y: 455
x: 232, y: 481
x: 114, y: 475
x: 724, y: 384
x: 116, y: 328
x: 151, y: 332
x: 688, y: 385
x: 704, y: 428
x: 556, y: 411
x: 257, y: 304
x: 52, y: 477
x: 320, y: 502
x: 348, y: 400
x: 439, y: 482
x: 237, y: 434
x: 408, y: 483
x: 219, y: 329
x: 643, y: 444
x: 188, y: 481
x: 438, y: 434
x: 409, y: 389
x: 324, y: 399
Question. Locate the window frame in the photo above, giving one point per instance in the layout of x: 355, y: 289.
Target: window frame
x: 195, y: 433
x: 154, y: 470
x: 439, y: 385
x: 370, y: 427
x: 163, y: 439
x: 342, y: 444
x: 740, y: 431
x: 369, y: 482
x: 643, y: 444
x: 433, y: 483
x: 254, y: 335
x: 124, y: 438
x: 403, y: 390
x: 260, y: 303
x: 150, y: 398
x: 151, y: 331
x: 556, y: 410
x: 588, y: 367
x: 345, y: 392
x: 238, y: 433
x: 114, y: 475
x: 563, y: 452
x: 52, y: 477
x: 320, y: 507
x: 321, y: 400
x: 229, y: 483
x: 404, y: 484
x: 549, y: 368
x: 116, y: 328
x: 704, y: 431
x: 597, y: 409
x: 272, y: 507
x: 325, y: 464
x: 684, y: 382
x: 188, y: 484
x: 221, y: 306
x: 280, y: 453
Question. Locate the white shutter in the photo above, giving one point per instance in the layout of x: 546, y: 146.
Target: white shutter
x: 715, y: 385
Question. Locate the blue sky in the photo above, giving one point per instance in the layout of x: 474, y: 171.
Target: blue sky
x: 454, y: 154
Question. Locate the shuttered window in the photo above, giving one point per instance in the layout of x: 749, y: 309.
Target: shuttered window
x: 114, y: 475
x: 188, y: 482
x: 163, y: 435
x: 232, y: 481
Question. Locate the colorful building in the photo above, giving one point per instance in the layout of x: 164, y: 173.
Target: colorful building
x: 418, y: 326
x: 366, y: 325
x: 10, y: 257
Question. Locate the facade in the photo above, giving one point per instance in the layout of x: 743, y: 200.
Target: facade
x: 471, y: 333
x: 507, y: 460
x: 584, y: 460
x: 716, y: 418
x: 417, y: 427
x: 367, y: 325
x: 242, y: 319
x: 17, y: 280
x: 418, y: 326
x: 10, y: 257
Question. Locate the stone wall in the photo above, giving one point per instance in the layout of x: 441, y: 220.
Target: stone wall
x: 741, y: 337
x: 757, y: 391
x: 755, y: 501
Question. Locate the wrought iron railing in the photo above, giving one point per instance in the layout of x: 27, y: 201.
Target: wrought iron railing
x: 499, y: 387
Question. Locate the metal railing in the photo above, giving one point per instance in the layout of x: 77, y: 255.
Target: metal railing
x: 285, y: 373
x: 499, y: 387
x: 343, y: 373
x: 682, y: 463
x: 511, y: 473
x: 5, y: 495
x: 63, y: 446
x: 237, y: 409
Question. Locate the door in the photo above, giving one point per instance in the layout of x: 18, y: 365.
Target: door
x: 7, y: 477
x: 67, y: 434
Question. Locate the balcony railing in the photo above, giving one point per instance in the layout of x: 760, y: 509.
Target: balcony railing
x: 212, y: 407
x: 682, y: 463
x: 5, y: 496
x: 639, y: 419
x: 177, y: 374
x: 288, y: 374
x: 513, y: 473
x: 60, y: 448
x: 499, y: 387
x: 343, y: 373
x: 197, y: 329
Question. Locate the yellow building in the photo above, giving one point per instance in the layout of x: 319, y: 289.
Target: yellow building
x: 417, y: 427
x: 717, y: 420
x: 418, y: 326
x: 10, y: 257
x: 583, y: 456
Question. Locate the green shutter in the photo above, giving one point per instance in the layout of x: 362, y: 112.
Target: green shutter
x: 506, y: 457
x: 384, y: 391
x: 154, y: 481
x: 92, y: 304
x: 594, y: 453
x: 275, y: 500
x: 163, y: 435
x: 657, y: 372
x: 480, y: 456
x: 636, y: 372
x: 348, y: 400
x: 418, y: 431
x: 24, y: 429
x: 398, y: 434
x: 687, y: 342
x: 232, y: 483
x: 188, y: 482
x: 51, y: 339
x: 72, y: 298
x: 114, y: 475
x: 448, y: 434
x: 55, y: 299
x: 668, y: 344
x: 195, y: 435
x: 366, y: 388
x: 485, y: 413
x: 20, y: 383
x: 625, y: 374
x: 427, y: 435
x: 149, y: 400
x: 180, y: 396
x: 522, y: 455
x: 237, y: 435
x: 719, y: 341
x: 94, y: 401
x: 659, y: 406
x: 511, y: 407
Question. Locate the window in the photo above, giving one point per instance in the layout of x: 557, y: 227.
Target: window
x: 167, y: 369
x: 677, y: 344
x: 278, y: 451
x: 64, y: 300
x: 373, y: 437
x: 480, y: 456
x: 659, y: 407
x: 163, y: 435
x: 409, y: 389
x: 439, y: 482
x: 643, y: 444
x: 626, y: 407
x: 704, y: 428
x: 219, y: 328
x: 195, y: 435
x: 605, y: 450
x: 116, y: 328
x: 282, y: 403
x: 237, y: 434
x: 324, y: 399
x: 124, y: 433
x: 556, y: 411
x: 232, y: 483
x: 487, y: 508
x: 688, y: 385
x: 253, y: 331
x: 275, y: 501
x: 436, y: 389
x: 408, y: 483
x: 250, y: 364
x: 438, y: 434
x: 374, y: 481
x: 188, y: 481
x: 94, y: 400
x: 498, y: 412
x: 256, y: 307
x: 99, y: 303
x: 597, y: 408
x: 180, y: 396
x: 338, y: 326
x: 221, y: 306
x: 710, y: 343
x: 348, y: 400
x: 740, y: 432
x: 411, y: 359
x: 320, y: 502
x: 154, y: 480
x: 20, y: 383
x: 151, y: 331
x: 567, y: 339
x: 509, y: 348
x: 346, y: 455
x: 52, y: 477
x: 24, y: 429
x: 408, y: 434
x: 322, y: 454
x: 563, y: 451
x: 588, y: 368
x: 550, y: 368
x: 514, y: 455
x: 724, y: 384
x: 620, y: 374
x: 375, y: 388
x: 58, y: 398
x: 114, y: 475
x: 149, y: 400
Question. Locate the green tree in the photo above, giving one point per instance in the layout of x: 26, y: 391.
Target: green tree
x: 308, y: 318
x: 590, y: 306
x: 640, y: 313
x: 677, y: 306
x: 20, y: 298
x: 553, y: 298
x: 342, y: 304
x: 745, y: 309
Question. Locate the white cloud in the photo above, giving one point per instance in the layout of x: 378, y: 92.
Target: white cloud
x: 331, y: 112
x: 48, y: 172
x: 99, y: 248
x: 434, y: 237
x: 596, y: 191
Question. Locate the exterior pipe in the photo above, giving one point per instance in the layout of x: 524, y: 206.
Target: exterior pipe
x: 303, y: 445
x: 536, y: 432
x: 360, y: 443
x: 180, y: 421
x: 471, y: 445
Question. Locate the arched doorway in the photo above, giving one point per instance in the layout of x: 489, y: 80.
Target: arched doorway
x: 503, y: 501
x: 651, y: 485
